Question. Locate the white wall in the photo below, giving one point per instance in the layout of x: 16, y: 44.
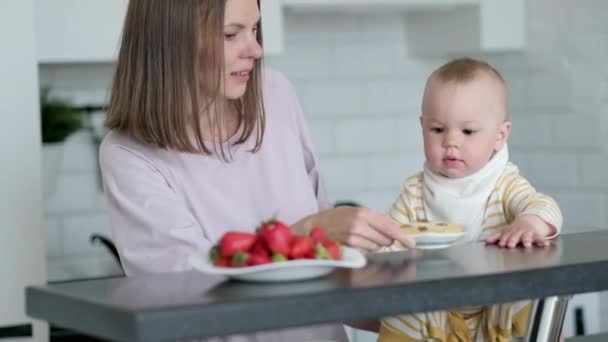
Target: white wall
x: 360, y: 85
x: 22, y: 248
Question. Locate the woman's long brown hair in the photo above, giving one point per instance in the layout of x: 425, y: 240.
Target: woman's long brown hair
x: 169, y: 74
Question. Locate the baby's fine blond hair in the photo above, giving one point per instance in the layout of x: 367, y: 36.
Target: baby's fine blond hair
x: 465, y: 70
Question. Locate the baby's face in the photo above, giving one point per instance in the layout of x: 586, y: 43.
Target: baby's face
x: 463, y: 125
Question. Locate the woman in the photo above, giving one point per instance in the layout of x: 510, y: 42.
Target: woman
x: 203, y: 140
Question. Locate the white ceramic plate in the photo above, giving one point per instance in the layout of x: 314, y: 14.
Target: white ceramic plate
x: 282, y: 271
x: 436, y: 240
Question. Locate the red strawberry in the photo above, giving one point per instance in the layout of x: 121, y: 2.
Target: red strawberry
x: 334, y: 249
x: 317, y: 234
x: 233, y: 242
x: 301, y: 246
x: 259, y: 247
x: 277, y: 236
x: 258, y: 259
x: 222, y: 262
x: 311, y: 254
x: 240, y: 259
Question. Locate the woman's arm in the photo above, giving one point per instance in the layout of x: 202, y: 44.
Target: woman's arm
x: 357, y: 227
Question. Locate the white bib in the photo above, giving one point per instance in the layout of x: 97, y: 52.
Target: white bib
x: 462, y: 200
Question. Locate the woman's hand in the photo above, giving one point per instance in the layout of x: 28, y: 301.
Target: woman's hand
x: 527, y: 230
x: 358, y: 227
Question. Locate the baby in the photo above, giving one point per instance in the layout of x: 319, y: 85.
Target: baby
x: 468, y: 180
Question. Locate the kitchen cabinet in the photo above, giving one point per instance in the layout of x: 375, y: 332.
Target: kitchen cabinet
x: 88, y: 31
x: 382, y: 5
x: 453, y: 26
x: 78, y: 30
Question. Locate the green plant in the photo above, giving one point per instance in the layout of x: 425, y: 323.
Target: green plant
x: 58, y: 118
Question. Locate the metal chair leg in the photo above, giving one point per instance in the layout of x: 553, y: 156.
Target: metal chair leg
x: 547, y: 319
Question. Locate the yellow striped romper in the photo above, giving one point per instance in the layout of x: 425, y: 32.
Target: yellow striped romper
x: 512, y: 196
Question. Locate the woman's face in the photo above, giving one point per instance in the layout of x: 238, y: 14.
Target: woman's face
x: 241, y: 46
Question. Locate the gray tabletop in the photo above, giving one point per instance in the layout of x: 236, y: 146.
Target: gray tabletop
x: 172, y: 306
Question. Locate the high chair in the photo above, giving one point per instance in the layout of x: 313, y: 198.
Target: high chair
x: 547, y: 319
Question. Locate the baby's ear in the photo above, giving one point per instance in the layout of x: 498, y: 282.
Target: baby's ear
x: 504, y: 131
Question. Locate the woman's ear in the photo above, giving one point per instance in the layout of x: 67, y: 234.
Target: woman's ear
x: 504, y: 130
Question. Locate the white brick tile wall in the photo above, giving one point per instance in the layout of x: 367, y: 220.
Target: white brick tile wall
x: 331, y: 98
x: 593, y: 171
x: 322, y: 28
x: 323, y: 136
x: 376, y: 199
x: 367, y: 59
x: 343, y: 173
x: 531, y: 131
x: 520, y: 160
x: 517, y: 85
x: 548, y: 171
x: 304, y: 60
x: 582, y: 211
x: 578, y: 49
x: 390, y: 171
x: 76, y: 193
x: 589, y: 86
x: 417, y: 68
x: 548, y: 90
x: 79, y: 153
x: 362, y: 136
x: 394, y: 96
x: 382, y: 28
x: 77, y: 231
x: 409, y: 133
x: 577, y: 131
x: 585, y: 19
x: 513, y: 65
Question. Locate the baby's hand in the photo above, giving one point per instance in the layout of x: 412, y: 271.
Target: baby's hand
x: 526, y: 230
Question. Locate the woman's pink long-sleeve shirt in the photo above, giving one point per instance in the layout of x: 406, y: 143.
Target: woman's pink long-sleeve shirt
x: 165, y: 205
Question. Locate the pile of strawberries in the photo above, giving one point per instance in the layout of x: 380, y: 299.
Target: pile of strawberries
x: 273, y: 242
